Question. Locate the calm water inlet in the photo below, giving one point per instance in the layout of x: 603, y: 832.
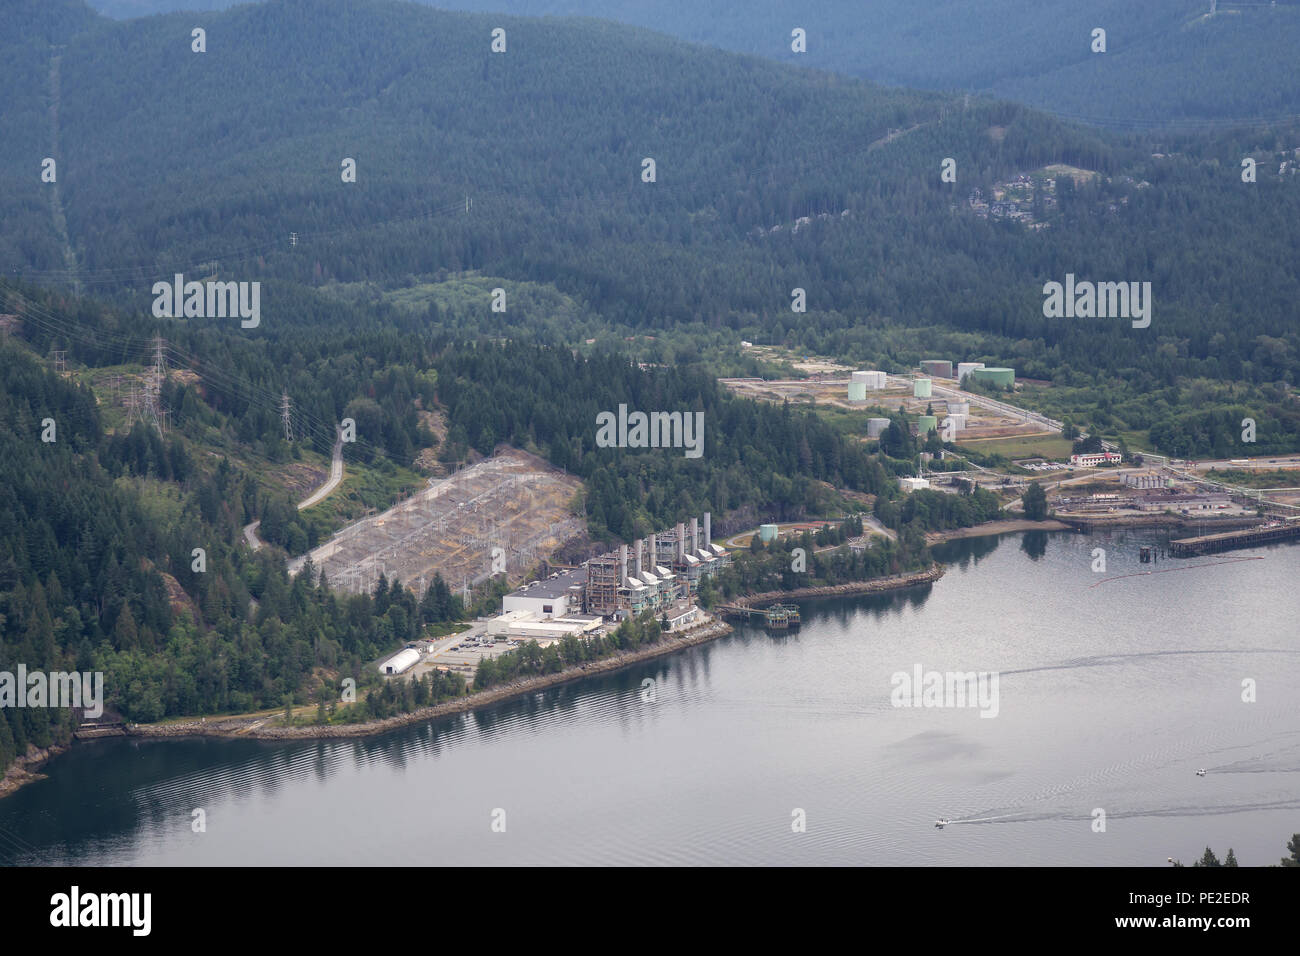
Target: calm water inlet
x: 1113, y: 689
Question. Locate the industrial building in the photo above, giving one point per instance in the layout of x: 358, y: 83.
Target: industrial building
x: 402, y: 661
x: 937, y: 368
x: 1001, y: 377
x: 913, y: 484
x: 556, y: 596
x: 1174, y: 502
x: 653, y: 573
x: 524, y: 625
x: 1100, y: 458
x: 1144, y: 480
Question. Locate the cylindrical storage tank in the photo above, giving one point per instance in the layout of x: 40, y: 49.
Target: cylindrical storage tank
x: 401, y: 661
x: 857, y: 391
x: 958, y: 421
x: 926, y: 423
x: 939, y: 368
x: 965, y: 368
x: 959, y: 408
x: 876, y: 427
x: 767, y: 532
x: 921, y: 388
x: 1001, y: 377
x: 873, y: 380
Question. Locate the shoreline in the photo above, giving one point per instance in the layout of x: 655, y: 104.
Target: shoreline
x: 22, y: 771
x: 999, y: 526
x: 894, y: 582
x: 25, y: 769
x: 249, y: 728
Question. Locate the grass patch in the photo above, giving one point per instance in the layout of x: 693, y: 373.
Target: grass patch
x: 1053, y: 447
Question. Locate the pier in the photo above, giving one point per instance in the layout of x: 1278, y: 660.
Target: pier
x: 779, y: 617
x: 1232, y: 540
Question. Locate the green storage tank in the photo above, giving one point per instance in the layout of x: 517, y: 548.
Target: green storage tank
x: 926, y: 423
x: 920, y: 388
x: 1001, y: 377
x: 767, y: 533
x: 857, y: 391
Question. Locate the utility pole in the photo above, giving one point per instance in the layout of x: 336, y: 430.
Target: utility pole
x: 153, y: 383
x: 284, y: 416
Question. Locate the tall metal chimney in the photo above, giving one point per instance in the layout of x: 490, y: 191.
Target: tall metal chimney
x: 637, y: 549
x: 681, y: 542
x: 708, y: 532
x: 695, y: 535
x: 622, y: 565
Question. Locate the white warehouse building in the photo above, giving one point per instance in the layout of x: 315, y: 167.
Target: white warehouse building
x: 557, y: 596
x: 403, y: 660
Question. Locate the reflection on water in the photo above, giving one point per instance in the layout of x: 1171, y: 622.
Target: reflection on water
x: 1110, y: 698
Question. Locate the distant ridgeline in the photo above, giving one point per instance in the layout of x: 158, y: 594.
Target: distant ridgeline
x: 530, y: 164
x: 1165, y: 60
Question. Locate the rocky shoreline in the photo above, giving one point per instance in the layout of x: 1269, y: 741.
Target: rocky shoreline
x: 259, y: 728
x: 24, y: 769
x: 255, y: 727
x: 891, y: 583
x: 1001, y: 526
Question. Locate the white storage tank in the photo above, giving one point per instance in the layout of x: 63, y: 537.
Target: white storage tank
x: 876, y: 427
x: 959, y: 408
x: 403, y: 660
x: 957, y: 422
x: 965, y: 368
x: 921, y: 388
x: 873, y: 380
x: 857, y: 390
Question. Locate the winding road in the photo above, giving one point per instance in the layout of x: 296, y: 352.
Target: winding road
x: 320, y: 494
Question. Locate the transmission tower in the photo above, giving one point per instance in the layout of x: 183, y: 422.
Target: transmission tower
x: 284, y: 416
x: 60, y: 361
x: 151, y: 410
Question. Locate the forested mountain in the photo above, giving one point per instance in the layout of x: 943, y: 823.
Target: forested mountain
x: 528, y: 165
x: 1165, y: 60
x: 98, y: 527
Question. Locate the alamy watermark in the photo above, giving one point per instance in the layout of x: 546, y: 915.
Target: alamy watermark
x: 922, y: 688
x: 1098, y: 300
x: 653, y: 430
x: 55, y: 689
x: 208, y: 300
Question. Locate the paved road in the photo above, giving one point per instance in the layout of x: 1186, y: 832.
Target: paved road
x: 336, y: 475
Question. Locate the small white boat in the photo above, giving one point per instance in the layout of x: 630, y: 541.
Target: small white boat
x: 940, y: 824
x: 1201, y: 772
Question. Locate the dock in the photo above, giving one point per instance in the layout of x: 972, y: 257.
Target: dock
x: 1232, y: 540
x: 779, y: 617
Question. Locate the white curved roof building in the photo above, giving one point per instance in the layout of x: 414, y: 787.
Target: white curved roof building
x: 403, y: 660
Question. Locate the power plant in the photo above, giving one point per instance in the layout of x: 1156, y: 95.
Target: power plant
x: 651, y: 574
